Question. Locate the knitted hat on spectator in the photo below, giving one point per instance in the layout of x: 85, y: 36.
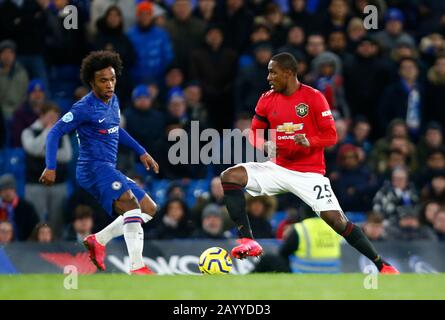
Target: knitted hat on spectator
x: 144, y: 6
x: 36, y: 84
x: 7, y: 44
x: 394, y: 14
x: 212, y: 210
x: 140, y: 91
x: 175, y: 93
x: 7, y: 181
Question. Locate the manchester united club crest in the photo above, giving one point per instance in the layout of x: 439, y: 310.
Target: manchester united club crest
x: 302, y: 110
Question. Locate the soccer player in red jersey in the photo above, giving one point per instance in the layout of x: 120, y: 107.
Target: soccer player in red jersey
x: 303, y: 126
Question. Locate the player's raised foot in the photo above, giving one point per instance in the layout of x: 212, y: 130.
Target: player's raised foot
x: 247, y: 248
x: 388, y: 269
x: 142, y: 271
x: 96, y: 251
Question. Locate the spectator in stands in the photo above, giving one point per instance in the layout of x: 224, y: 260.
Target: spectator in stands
x: 195, y: 106
x: 277, y: 22
x: 396, y: 138
x: 300, y: 16
x: 205, y: 10
x: 29, y: 111
x: 331, y: 153
x: 363, y: 93
x: 143, y: 122
x: 175, y: 191
x: 215, y: 66
x: 236, y: 20
x: 404, y: 99
x: 25, y: 22
x: 337, y: 17
x: 405, y: 49
x: 13, y: 79
x: 42, y: 233
x: 186, y: 31
x: 337, y: 44
x: 428, y: 212
x: 48, y: 201
x: 99, y: 7
x: 261, y: 33
x: 315, y: 45
x: 177, y: 107
x: 327, y: 70
x: 353, y: 182
x: 434, y: 190
x: 359, y: 137
x: 80, y: 197
x: 393, y: 32
x: 260, y: 209
x: 296, y: 37
x: 435, y: 163
x: 212, y: 225
x: 408, y: 228
x: 216, y: 196
x: 173, y: 222
x: 432, y: 139
x: 399, y: 191
x: 6, y: 232
x: 435, y: 91
x: 19, y: 212
x: 174, y: 78
x: 374, y: 228
x: 432, y: 47
x: 152, y: 44
x: 110, y: 36
x: 82, y: 224
x: 439, y: 224
x: 251, y: 81
x: 292, y: 217
x: 355, y: 32
x: 65, y: 46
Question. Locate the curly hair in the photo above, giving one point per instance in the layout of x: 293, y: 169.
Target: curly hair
x: 98, y: 60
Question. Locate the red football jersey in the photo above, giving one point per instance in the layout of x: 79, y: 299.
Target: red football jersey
x: 306, y: 111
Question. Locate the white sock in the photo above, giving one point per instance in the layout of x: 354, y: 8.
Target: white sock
x: 113, y: 230
x: 134, y: 237
x: 116, y: 229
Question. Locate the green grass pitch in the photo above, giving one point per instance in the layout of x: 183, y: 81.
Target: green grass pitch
x: 226, y: 287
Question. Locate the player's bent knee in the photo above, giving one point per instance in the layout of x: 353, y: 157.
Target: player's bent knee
x: 127, y: 201
x: 236, y: 175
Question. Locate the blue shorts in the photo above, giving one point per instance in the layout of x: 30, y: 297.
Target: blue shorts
x: 105, y: 183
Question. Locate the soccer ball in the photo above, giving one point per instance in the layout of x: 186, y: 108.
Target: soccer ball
x: 215, y: 260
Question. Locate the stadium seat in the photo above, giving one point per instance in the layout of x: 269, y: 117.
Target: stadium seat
x: 196, y: 188
x: 276, y: 218
x: 158, y: 191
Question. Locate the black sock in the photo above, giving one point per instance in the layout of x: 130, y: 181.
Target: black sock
x: 236, y: 205
x: 356, y: 238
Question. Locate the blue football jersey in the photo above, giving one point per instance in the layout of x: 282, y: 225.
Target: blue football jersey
x: 97, y: 126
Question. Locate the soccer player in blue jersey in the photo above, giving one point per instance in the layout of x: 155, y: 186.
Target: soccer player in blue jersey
x: 96, y: 118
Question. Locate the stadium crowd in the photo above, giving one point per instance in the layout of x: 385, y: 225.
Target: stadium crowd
x: 206, y: 60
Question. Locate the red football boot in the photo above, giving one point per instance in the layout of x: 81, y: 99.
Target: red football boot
x: 388, y: 269
x: 247, y: 248
x: 96, y: 251
x: 142, y: 271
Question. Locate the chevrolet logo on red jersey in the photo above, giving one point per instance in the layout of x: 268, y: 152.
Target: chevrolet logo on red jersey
x: 289, y: 127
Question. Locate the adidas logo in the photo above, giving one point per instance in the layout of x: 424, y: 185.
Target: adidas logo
x: 329, y: 201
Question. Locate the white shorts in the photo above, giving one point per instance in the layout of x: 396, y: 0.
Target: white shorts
x: 268, y: 178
